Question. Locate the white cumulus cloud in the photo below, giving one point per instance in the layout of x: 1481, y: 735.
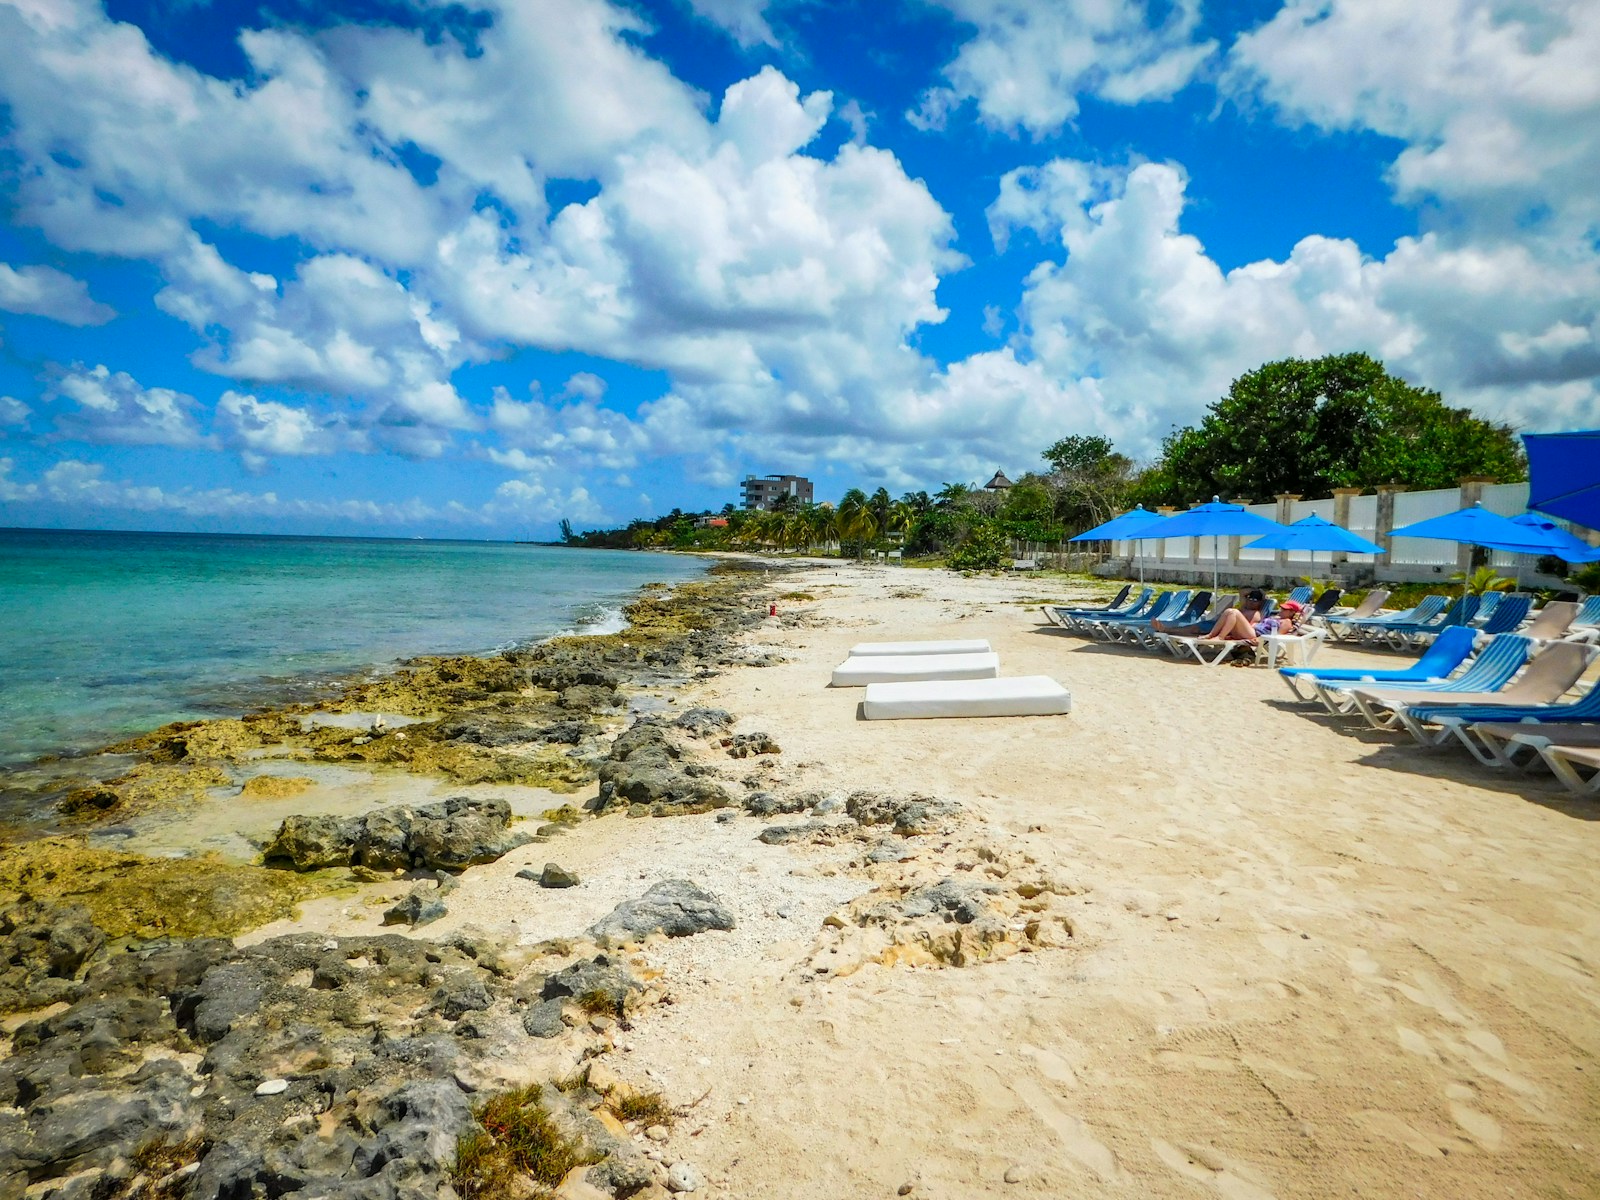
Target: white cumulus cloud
x: 1029, y: 62
x: 46, y: 292
x: 112, y: 408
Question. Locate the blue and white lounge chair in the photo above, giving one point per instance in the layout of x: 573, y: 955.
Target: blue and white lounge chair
x: 1084, y: 622
x: 1507, y: 617
x: 1429, y: 608
x: 1489, y: 672
x: 1549, y: 677
x: 1410, y: 633
x: 1140, y: 633
x: 1452, y: 648
x: 1488, y: 605
x: 1164, y: 607
x: 1059, y: 614
x: 1585, y: 625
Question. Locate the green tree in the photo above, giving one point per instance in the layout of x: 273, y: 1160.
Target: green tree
x: 1309, y: 426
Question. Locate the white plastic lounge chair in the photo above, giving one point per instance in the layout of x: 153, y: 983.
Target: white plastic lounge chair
x: 1024, y: 696
x: 905, y: 649
x: 1552, y: 621
x: 859, y: 672
x: 1370, y: 606
x: 1564, y: 761
x: 1519, y: 743
x: 1200, y: 647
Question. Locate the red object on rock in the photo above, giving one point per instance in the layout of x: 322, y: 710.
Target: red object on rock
x: 772, y: 610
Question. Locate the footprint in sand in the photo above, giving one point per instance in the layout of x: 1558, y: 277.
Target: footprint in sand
x: 1073, y: 1133
x: 1233, y: 1181
x: 1395, y: 1128
x: 1479, y: 1126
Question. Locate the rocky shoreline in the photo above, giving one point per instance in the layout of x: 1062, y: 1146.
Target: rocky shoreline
x: 122, y: 994
x: 146, y: 1054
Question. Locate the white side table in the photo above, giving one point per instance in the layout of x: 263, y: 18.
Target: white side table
x: 1288, y: 649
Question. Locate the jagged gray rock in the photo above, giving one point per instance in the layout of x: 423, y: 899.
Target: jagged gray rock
x: 556, y: 876
x: 642, y: 767
x: 768, y: 804
x: 674, y: 907
x: 778, y: 835
x: 451, y: 834
x: 43, y: 951
x: 419, y: 906
x: 910, y: 815
x: 83, y: 1089
x: 704, y: 722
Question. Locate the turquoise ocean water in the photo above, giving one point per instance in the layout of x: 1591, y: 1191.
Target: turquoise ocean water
x: 106, y: 634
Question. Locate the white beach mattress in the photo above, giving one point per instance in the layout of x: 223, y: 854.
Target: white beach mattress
x: 1023, y: 696
x: 858, y: 672
x: 901, y: 649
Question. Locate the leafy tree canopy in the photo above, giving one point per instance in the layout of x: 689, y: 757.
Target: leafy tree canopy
x: 1309, y: 426
x: 1081, y: 454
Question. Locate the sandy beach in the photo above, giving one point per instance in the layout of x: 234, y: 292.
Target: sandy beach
x: 1304, y: 962
x: 1248, y: 952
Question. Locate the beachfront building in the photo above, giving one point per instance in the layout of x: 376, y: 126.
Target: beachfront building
x: 766, y: 491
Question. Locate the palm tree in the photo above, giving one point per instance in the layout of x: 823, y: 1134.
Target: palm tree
x: 856, y: 522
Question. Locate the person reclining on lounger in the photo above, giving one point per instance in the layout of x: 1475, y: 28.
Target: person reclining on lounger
x: 1243, y: 624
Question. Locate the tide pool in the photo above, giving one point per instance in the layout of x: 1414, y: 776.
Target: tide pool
x: 106, y: 634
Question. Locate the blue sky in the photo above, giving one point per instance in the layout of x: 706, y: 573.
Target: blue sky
x: 463, y: 269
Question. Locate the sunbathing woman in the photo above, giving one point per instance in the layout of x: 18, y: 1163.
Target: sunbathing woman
x: 1235, y: 626
x: 1255, y: 601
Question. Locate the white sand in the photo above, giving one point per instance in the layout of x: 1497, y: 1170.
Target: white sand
x: 1308, y: 962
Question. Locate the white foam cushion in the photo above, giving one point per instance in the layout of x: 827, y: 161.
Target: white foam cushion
x: 1023, y: 696
x: 900, y: 649
x: 858, y: 672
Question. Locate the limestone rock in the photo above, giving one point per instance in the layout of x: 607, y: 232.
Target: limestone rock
x: 683, y: 1177
x: 674, y: 907
x: 910, y: 815
x: 419, y: 906
x: 452, y: 834
x: 43, y: 950
x: 778, y: 835
x: 704, y: 722
x: 743, y: 745
x: 766, y: 804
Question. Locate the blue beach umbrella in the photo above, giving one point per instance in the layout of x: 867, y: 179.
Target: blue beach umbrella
x: 1215, y: 520
x: 1315, y: 533
x: 1564, y: 475
x: 1119, y: 528
x: 1476, y: 526
x: 1556, y: 540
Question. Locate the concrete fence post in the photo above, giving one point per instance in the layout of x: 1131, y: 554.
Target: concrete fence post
x: 1384, y: 533
x: 1341, y: 518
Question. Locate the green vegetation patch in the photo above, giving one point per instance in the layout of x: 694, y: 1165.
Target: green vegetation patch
x: 135, y: 896
x: 518, y: 1139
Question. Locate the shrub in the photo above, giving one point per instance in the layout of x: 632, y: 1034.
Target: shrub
x: 984, y: 548
x: 518, y: 1137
